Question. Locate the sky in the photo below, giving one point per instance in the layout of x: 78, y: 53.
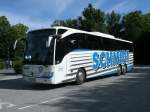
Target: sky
x: 41, y: 13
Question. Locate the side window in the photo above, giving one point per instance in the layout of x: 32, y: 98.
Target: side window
x: 129, y: 46
x: 99, y: 44
x: 118, y: 45
x: 61, y: 31
x: 93, y: 42
x: 76, y: 41
x: 60, y: 50
x: 114, y: 45
x: 107, y: 44
x: 64, y: 46
x: 121, y: 45
x: 89, y: 42
x: 81, y: 41
x: 124, y: 45
x: 71, y: 42
x: 110, y: 44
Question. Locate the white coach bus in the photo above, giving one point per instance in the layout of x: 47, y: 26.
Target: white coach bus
x: 61, y: 54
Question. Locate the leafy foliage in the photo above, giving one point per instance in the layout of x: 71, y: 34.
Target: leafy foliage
x: 113, y: 21
x: 67, y: 23
x: 93, y: 19
x: 17, y: 65
x: 134, y: 26
x: 8, y: 35
x: 1, y: 64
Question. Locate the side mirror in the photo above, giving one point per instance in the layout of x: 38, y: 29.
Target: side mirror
x: 57, y: 36
x: 15, y: 44
x: 16, y: 41
x: 48, y: 43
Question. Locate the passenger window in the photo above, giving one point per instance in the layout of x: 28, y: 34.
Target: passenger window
x: 61, y: 31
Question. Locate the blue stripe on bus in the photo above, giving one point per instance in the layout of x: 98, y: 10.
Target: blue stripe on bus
x: 130, y: 67
x: 107, y: 73
x: 80, y: 50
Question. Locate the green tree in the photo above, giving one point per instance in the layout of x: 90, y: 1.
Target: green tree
x: 4, y: 29
x: 142, y: 43
x: 113, y: 21
x: 8, y: 35
x: 93, y: 19
x: 146, y: 22
x: 18, y: 31
x: 133, y: 25
x: 72, y: 23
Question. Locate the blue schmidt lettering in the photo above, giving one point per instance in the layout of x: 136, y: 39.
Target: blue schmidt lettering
x: 102, y: 59
x: 109, y: 58
x: 95, y: 60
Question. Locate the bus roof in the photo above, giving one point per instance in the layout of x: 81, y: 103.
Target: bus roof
x: 71, y: 31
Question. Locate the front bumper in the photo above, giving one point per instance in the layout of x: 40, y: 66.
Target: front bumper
x: 38, y: 80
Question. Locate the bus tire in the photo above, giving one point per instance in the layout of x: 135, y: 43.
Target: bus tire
x: 80, y: 76
x: 124, y: 69
x: 119, y: 70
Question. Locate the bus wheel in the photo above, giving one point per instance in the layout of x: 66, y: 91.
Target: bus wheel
x: 80, y: 77
x: 119, y: 70
x: 124, y: 69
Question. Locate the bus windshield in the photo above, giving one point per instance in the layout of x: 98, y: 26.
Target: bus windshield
x: 37, y: 51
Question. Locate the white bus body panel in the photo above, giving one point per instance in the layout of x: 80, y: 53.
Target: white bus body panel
x: 67, y: 69
x: 83, y: 59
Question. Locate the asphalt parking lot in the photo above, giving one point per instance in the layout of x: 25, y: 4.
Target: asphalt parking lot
x: 125, y: 93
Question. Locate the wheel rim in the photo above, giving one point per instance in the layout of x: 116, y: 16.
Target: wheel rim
x: 126, y: 69
x: 81, y: 76
x: 123, y: 70
x: 119, y: 71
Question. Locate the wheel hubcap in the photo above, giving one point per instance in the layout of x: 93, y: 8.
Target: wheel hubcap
x: 81, y: 77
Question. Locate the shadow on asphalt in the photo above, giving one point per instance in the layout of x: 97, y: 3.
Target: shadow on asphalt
x: 131, y: 95
x: 9, y: 74
x: 19, y: 84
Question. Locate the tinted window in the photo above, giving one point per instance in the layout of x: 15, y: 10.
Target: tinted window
x: 121, y: 45
x: 61, y: 31
x: 129, y: 46
x: 86, y: 41
x: 36, y: 50
x: 66, y: 45
x: 109, y: 44
x: 60, y: 50
x: 93, y: 42
x: 43, y: 31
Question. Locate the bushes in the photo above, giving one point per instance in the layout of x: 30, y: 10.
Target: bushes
x: 17, y: 65
x: 1, y: 65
